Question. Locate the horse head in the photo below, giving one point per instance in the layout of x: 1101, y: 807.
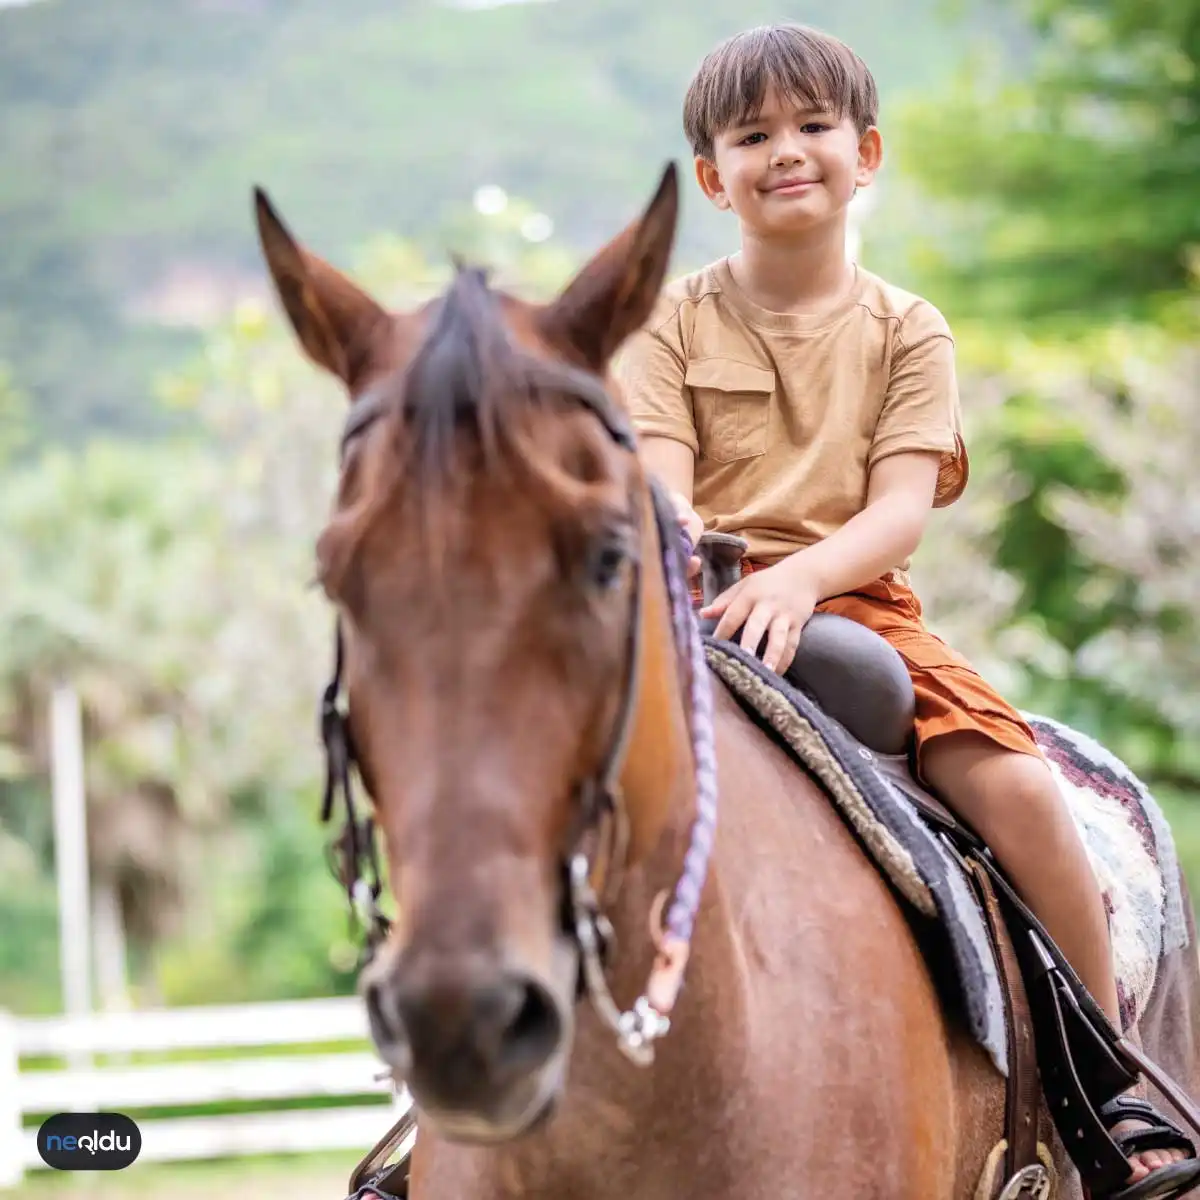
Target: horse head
x: 485, y: 554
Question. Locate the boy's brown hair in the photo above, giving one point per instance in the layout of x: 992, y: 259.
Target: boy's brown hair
x: 813, y: 68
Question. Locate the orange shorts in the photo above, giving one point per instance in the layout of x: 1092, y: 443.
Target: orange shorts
x: 951, y: 695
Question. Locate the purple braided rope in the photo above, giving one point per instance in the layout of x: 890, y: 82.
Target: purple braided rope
x: 681, y: 916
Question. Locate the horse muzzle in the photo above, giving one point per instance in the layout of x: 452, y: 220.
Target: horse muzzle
x: 482, y: 1048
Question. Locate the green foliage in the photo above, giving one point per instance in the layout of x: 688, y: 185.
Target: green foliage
x: 274, y: 923
x: 29, y: 947
x: 1058, y: 582
x: 1070, y: 197
x: 14, y: 418
x: 1060, y: 235
x: 1183, y: 813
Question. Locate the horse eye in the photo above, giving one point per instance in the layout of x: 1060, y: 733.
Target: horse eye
x: 604, y: 568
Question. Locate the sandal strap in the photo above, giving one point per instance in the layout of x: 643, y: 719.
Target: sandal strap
x: 1125, y: 1108
x: 1162, y: 1134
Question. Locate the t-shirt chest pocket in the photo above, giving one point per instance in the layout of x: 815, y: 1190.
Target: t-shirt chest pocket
x: 732, y: 405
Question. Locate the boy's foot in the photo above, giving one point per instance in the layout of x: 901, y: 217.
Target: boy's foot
x: 1160, y: 1154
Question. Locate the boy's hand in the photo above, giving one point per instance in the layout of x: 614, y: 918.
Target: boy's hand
x: 690, y: 520
x: 777, y: 602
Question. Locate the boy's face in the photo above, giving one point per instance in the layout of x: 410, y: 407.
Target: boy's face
x: 790, y: 170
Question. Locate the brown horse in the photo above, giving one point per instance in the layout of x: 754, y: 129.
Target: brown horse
x: 495, y: 560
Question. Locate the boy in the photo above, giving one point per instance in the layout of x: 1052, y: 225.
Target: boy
x: 805, y: 404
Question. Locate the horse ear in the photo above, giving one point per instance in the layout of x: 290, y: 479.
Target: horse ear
x: 333, y: 318
x: 613, y: 295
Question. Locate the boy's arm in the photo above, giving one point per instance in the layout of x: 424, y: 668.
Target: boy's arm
x: 650, y: 374
x: 886, y: 532
x: 916, y: 462
x: 778, y: 602
x: 672, y: 461
x: 675, y: 465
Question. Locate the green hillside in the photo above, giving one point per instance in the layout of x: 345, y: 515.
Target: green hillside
x: 134, y: 129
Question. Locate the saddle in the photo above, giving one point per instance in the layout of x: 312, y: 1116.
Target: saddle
x: 1059, y: 1042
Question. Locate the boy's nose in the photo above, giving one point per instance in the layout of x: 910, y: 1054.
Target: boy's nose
x: 787, y: 151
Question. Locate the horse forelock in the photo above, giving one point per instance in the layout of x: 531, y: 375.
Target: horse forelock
x: 471, y: 404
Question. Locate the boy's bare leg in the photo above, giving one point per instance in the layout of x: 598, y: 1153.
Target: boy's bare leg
x: 1013, y: 802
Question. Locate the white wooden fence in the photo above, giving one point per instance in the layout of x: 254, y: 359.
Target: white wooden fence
x: 29, y: 1091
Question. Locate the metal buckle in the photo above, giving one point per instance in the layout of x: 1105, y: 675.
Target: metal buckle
x: 1029, y: 1183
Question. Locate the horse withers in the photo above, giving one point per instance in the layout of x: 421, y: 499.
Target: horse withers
x: 521, y: 716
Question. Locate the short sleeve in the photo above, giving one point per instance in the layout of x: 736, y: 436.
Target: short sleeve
x: 649, y: 370
x: 921, y: 410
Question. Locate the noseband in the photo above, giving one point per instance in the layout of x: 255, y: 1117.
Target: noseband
x: 602, y: 819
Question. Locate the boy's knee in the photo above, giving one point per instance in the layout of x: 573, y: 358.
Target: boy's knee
x: 1025, y: 796
x: 1002, y: 792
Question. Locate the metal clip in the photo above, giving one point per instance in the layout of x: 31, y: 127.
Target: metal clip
x: 640, y: 1028
x: 365, y: 907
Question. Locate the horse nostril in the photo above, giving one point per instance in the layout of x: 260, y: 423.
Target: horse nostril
x: 533, y: 1027
x: 499, y: 1027
x: 383, y: 1015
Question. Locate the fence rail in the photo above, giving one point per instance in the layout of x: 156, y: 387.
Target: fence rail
x: 28, y: 1091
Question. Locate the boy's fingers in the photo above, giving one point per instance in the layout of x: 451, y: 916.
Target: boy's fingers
x: 789, y: 651
x: 756, y: 626
x: 777, y: 640
x: 723, y: 601
x: 735, y: 612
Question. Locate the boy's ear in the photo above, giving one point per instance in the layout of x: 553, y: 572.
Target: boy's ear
x: 709, y: 179
x: 870, y: 156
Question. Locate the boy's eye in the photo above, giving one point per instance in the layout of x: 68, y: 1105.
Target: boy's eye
x: 751, y: 139
x: 814, y: 127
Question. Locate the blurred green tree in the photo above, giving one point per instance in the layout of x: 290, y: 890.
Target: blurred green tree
x: 1070, y: 192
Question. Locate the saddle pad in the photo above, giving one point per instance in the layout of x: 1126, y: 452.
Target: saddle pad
x: 1132, y: 852
x: 903, y: 847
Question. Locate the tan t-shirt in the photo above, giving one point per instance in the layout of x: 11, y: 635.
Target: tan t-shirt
x: 787, y: 414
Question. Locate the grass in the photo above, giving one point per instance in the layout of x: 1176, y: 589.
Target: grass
x: 296, y: 1177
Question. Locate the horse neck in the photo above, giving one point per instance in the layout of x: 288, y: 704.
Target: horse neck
x: 659, y: 786
x: 658, y: 776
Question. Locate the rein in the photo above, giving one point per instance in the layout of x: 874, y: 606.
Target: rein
x: 600, y: 799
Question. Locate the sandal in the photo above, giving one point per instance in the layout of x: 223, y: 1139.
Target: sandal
x: 1164, y: 1183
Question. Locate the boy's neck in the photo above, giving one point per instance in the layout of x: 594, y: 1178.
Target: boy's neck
x: 804, y: 274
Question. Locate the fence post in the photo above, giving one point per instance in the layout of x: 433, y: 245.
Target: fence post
x: 71, y: 856
x: 12, y: 1148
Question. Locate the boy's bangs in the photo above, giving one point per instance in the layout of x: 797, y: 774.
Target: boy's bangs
x: 800, y: 75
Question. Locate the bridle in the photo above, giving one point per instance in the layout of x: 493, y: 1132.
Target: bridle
x: 601, y: 831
